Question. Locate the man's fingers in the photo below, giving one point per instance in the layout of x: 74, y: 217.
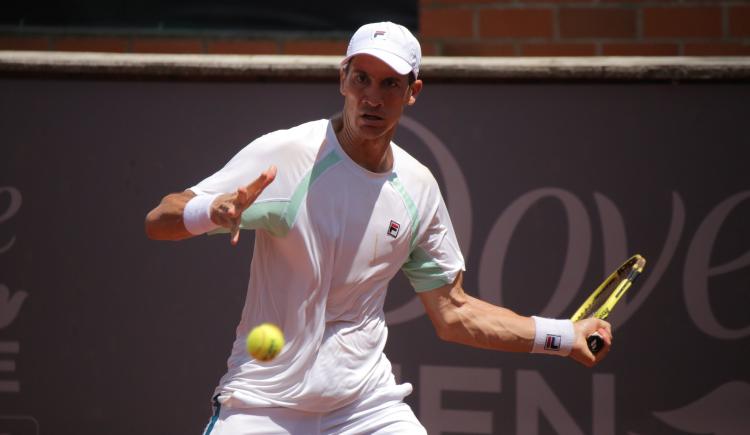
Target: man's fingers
x: 584, y: 330
x: 235, y: 234
x: 606, y: 335
x: 606, y: 326
x: 228, y: 208
x: 256, y: 187
x: 246, y: 195
x: 601, y: 326
x: 605, y: 331
x: 241, y: 202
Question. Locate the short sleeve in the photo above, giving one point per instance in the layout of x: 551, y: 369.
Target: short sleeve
x: 292, y: 151
x: 436, y: 258
x: 242, y: 169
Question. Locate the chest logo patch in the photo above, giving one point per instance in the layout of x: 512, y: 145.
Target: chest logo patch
x: 393, y: 229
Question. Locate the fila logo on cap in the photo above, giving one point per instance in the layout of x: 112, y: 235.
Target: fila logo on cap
x: 391, y: 43
x: 393, y: 229
x: 552, y: 342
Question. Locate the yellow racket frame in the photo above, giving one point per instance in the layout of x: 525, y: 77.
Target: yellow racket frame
x: 629, y: 270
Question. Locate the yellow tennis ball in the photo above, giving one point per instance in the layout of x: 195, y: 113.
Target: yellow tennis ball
x: 265, y: 341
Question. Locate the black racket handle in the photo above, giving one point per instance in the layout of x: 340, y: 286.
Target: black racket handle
x: 595, y: 342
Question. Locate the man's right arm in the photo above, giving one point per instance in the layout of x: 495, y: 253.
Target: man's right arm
x: 461, y: 318
x: 165, y: 222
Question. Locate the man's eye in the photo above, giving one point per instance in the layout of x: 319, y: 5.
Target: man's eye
x: 360, y: 78
x: 391, y: 83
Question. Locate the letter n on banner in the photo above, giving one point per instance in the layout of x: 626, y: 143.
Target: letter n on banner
x: 433, y: 380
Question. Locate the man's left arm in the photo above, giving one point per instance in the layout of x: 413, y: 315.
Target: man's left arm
x: 461, y: 318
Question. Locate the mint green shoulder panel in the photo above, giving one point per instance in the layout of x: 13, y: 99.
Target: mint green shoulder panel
x: 278, y: 216
x: 423, y: 272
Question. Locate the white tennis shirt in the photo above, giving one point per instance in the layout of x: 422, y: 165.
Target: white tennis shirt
x: 330, y: 235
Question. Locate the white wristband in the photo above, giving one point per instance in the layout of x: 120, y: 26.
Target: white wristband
x: 197, y: 214
x: 553, y: 336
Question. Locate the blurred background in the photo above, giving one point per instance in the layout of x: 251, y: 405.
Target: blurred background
x: 445, y: 27
x: 550, y: 182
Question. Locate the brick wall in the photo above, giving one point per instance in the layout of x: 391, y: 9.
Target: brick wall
x: 586, y: 27
x: 488, y: 28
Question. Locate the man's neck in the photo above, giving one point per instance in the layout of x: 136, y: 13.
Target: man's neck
x: 374, y: 155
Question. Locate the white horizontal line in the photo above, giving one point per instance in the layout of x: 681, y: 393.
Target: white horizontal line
x: 10, y: 387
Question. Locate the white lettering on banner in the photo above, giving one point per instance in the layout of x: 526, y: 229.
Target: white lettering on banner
x: 433, y: 380
x: 13, y: 207
x: 9, y: 348
x: 613, y: 232
x: 615, y: 249
x: 603, y: 404
x: 722, y: 411
x: 698, y: 270
x: 576, y: 258
x: 458, y: 196
x: 10, y: 305
x: 535, y: 398
x: 458, y: 201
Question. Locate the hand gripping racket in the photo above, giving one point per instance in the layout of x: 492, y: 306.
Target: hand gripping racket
x: 605, y: 297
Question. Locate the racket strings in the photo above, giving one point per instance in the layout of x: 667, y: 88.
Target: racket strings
x: 601, y: 297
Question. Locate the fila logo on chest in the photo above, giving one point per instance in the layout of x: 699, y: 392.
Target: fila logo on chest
x: 393, y: 228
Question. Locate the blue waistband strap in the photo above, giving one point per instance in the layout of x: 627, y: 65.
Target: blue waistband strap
x: 212, y: 422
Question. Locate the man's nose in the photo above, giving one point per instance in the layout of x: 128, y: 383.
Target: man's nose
x: 372, y: 97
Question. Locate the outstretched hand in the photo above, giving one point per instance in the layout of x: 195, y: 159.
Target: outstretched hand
x: 226, y: 210
x: 583, y: 329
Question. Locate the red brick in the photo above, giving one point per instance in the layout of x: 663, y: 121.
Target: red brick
x: 478, y: 49
x: 510, y: 23
x: 718, y: 49
x: 103, y: 44
x: 739, y: 21
x: 449, y: 22
x: 467, y: 2
x: 242, y: 46
x: 322, y: 47
x: 627, y: 49
x: 597, y: 23
x: 428, y: 48
x: 682, y: 22
x: 558, y: 50
x: 24, y: 43
x: 556, y: 1
x: 625, y: 2
x: 167, y: 45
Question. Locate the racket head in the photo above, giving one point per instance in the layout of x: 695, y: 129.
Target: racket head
x: 603, y: 299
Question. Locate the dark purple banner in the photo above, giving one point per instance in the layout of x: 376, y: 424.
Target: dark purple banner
x: 550, y: 186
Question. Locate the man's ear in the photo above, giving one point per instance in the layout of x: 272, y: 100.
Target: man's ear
x: 414, y: 90
x: 342, y: 77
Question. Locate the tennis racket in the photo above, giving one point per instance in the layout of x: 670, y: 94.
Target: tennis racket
x: 603, y: 300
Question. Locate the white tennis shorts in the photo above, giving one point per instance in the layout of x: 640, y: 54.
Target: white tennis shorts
x: 367, y: 416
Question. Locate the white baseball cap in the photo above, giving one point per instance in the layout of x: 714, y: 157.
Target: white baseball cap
x: 389, y: 42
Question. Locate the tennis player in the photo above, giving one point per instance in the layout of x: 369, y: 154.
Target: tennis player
x: 338, y: 210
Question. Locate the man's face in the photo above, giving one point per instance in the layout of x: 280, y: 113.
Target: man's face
x: 374, y: 96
